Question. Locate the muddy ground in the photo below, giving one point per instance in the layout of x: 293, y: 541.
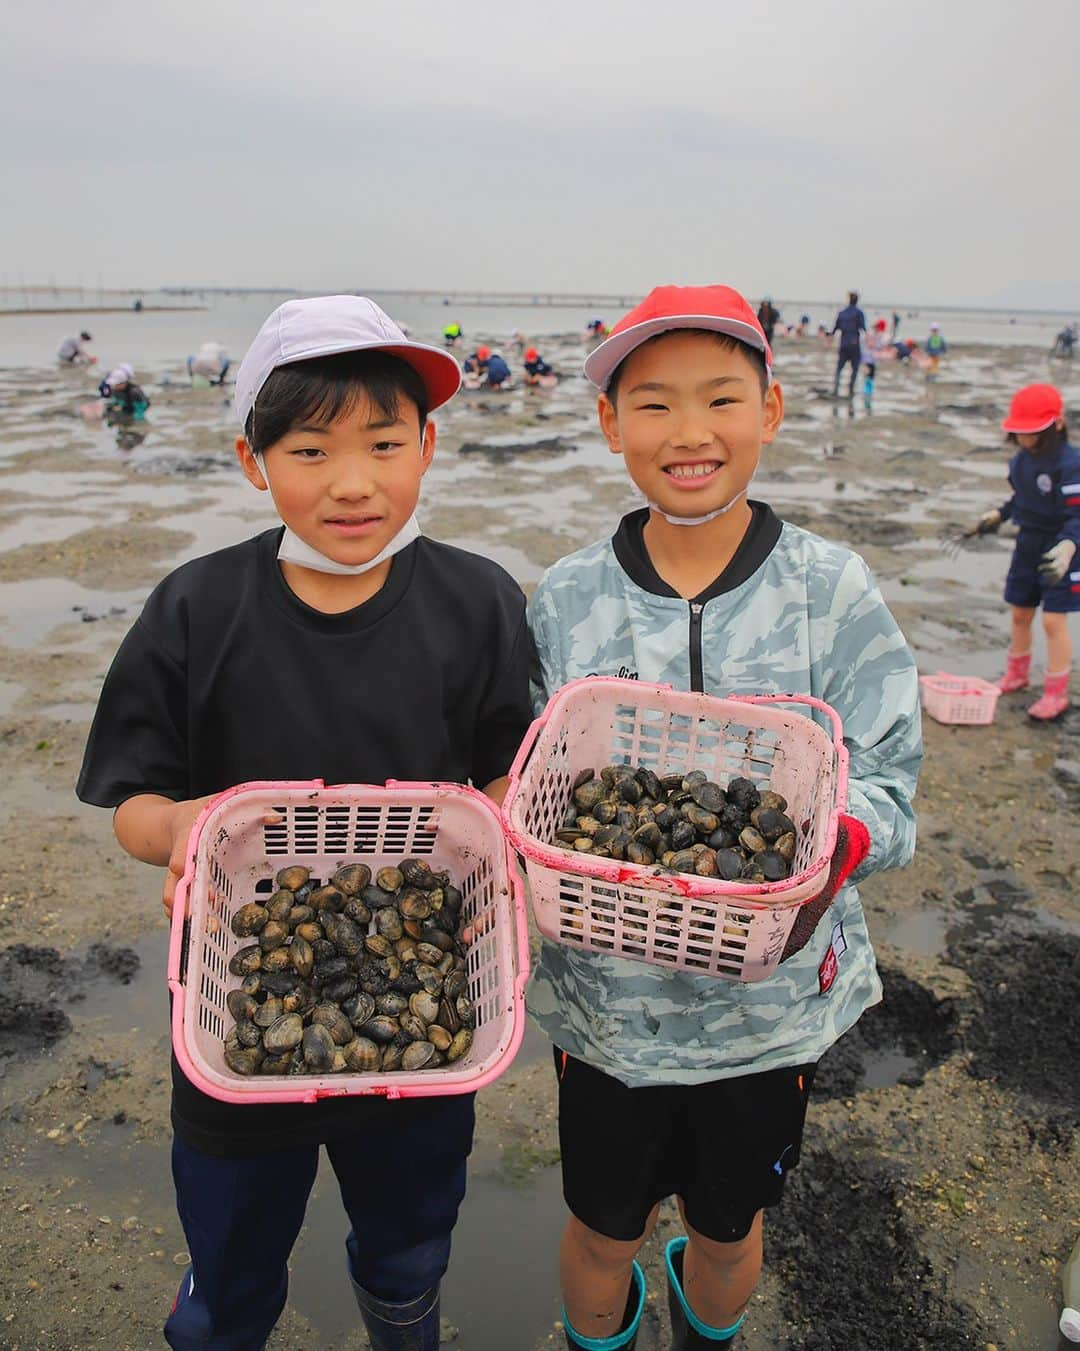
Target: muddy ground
x: 939, y: 1190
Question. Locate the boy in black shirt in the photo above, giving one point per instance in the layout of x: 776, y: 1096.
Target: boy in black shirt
x: 344, y: 647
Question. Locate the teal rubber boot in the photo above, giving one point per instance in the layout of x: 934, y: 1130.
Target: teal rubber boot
x: 626, y: 1338
x: 688, y: 1332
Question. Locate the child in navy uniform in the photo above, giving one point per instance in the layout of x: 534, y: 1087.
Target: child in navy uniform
x: 344, y: 647
x: 1045, y: 504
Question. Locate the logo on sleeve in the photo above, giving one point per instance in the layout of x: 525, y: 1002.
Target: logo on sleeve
x: 830, y: 965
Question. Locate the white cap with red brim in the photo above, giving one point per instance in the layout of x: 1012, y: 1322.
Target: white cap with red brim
x: 326, y: 325
x: 717, y: 309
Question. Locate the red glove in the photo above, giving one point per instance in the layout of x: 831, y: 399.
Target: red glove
x: 852, y: 846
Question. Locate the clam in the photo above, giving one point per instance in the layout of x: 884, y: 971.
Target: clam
x: 358, y: 1008
x: 292, y: 879
x: 346, y: 936
x: 301, y: 957
x: 752, y: 840
x: 710, y: 797
x: 335, y: 1022
x: 439, y: 1037
x: 460, y: 1045
x: 424, y: 1006
x: 417, y: 873
x: 283, y: 1034
x: 244, y: 1059
x: 249, y: 919
x: 379, y: 1029
x: 417, y: 1056
x: 327, y: 898
x: 388, y: 923
x: 240, y: 1005
x: 318, y: 1047
x: 361, y: 1055
x: 277, y: 959
x: 357, y: 911
x: 415, y: 1028
x: 351, y: 878
x: 390, y: 879
x: 246, y: 960
x: 247, y: 1033
x: 268, y: 1012
x: 272, y: 934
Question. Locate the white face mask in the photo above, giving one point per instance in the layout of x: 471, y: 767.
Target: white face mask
x: 293, y: 549
x: 697, y: 520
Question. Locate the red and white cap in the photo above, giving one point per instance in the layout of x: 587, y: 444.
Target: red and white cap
x: 719, y: 309
x: 325, y: 325
x: 1033, y: 409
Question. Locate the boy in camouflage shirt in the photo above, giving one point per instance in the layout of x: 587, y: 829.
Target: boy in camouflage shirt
x: 670, y: 1083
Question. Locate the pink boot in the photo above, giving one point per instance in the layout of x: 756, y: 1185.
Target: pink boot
x: 1017, y: 671
x: 1055, y: 698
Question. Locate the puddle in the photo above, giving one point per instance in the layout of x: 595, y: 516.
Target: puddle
x: 41, y: 527
x: 37, y: 605
x: 923, y: 932
x: 894, y: 1042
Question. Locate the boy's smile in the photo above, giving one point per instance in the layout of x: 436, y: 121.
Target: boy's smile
x: 690, y: 420
x: 347, y: 488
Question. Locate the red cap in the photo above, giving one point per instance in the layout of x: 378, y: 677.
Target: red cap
x: 720, y: 309
x: 1034, y: 408
x: 881, y: 326
x: 483, y: 353
x: 531, y: 354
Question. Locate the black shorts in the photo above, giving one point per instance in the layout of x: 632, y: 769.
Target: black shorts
x: 724, y: 1147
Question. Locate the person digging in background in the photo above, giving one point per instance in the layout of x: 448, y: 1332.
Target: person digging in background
x: 72, y: 351
x: 671, y: 1083
x: 1045, y: 504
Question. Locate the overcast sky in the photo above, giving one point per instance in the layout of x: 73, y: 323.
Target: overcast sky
x: 918, y: 151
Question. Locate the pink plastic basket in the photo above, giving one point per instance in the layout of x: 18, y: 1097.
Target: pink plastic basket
x: 959, y: 699
x: 733, y: 930
x: 250, y: 832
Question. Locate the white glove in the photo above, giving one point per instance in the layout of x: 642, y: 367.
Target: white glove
x: 1055, y: 562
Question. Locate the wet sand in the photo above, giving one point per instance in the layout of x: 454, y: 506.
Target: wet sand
x: 938, y: 1192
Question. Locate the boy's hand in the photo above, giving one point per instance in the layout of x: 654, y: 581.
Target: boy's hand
x: 852, y: 846
x: 181, y: 819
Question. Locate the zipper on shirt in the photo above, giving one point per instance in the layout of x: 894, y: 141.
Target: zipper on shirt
x: 697, y: 678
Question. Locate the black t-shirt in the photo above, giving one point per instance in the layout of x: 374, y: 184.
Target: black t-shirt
x: 228, y: 676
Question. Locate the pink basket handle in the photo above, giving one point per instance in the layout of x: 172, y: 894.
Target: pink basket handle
x: 840, y: 750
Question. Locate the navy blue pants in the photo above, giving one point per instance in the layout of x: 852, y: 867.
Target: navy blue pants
x: 1025, y: 585
x: 848, y: 356
x: 401, y: 1186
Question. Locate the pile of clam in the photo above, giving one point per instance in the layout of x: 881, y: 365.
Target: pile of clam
x: 354, y: 975
x: 681, y: 823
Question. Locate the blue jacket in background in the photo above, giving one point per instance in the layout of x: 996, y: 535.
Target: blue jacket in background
x: 497, y: 370
x: 850, y: 322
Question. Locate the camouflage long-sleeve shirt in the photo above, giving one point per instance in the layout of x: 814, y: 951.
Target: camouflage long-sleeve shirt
x: 791, y: 613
